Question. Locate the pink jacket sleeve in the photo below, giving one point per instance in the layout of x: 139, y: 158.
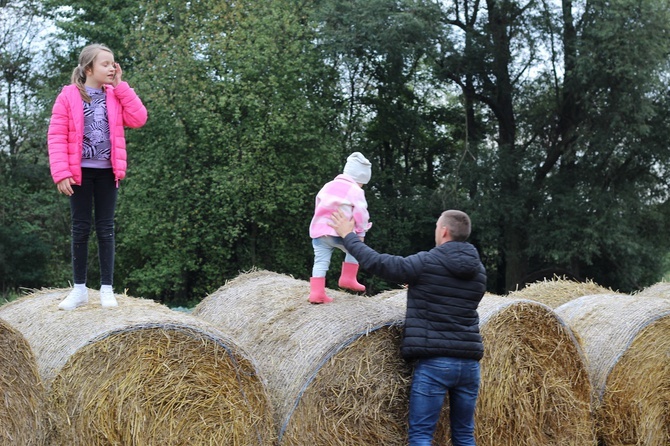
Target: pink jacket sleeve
x: 134, y: 111
x: 57, y: 139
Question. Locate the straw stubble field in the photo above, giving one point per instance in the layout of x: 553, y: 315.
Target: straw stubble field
x: 255, y: 364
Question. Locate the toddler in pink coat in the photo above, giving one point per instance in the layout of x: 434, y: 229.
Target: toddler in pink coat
x: 344, y: 193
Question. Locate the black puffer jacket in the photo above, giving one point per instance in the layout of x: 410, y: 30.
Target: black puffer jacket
x: 446, y: 285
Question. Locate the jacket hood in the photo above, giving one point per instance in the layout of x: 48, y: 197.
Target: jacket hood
x: 461, y: 259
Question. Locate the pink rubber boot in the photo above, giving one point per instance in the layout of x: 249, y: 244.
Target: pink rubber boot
x: 317, y: 293
x: 348, y: 277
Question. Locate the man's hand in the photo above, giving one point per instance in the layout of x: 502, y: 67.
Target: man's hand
x: 341, y: 223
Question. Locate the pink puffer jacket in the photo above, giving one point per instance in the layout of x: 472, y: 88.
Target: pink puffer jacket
x: 66, y: 129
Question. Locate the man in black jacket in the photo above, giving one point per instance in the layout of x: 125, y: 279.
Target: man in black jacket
x: 441, y: 334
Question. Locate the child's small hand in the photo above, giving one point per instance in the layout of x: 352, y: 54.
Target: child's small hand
x: 65, y: 186
x: 117, y: 75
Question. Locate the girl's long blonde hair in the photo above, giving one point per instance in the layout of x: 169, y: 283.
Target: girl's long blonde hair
x: 86, y: 59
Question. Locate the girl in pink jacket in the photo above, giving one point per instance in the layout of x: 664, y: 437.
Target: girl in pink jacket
x: 87, y: 155
x: 344, y: 193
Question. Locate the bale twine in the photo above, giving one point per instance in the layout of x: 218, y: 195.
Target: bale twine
x: 626, y: 340
x: 141, y: 374
x: 557, y: 291
x: 334, y: 371
x: 22, y: 415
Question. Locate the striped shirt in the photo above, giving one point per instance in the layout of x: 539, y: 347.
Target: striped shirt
x: 97, y: 148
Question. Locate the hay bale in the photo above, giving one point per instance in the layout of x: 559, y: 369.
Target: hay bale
x: 535, y: 388
x: 626, y: 340
x: 534, y: 385
x: 22, y: 414
x: 334, y: 371
x: 330, y: 390
x: 399, y: 295
x: 557, y: 291
x: 660, y: 289
x: 140, y: 374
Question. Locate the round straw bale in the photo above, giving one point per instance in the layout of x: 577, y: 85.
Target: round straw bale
x: 334, y: 371
x: 141, y: 374
x: 535, y: 388
x: 660, y: 289
x: 398, y: 294
x: 22, y: 415
x: 626, y: 340
x: 557, y: 291
x: 534, y: 385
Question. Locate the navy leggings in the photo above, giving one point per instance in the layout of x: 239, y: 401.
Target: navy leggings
x: 98, y: 190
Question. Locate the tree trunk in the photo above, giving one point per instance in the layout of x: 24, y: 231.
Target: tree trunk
x: 514, y: 208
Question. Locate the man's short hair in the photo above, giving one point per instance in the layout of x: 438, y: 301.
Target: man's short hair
x: 458, y: 224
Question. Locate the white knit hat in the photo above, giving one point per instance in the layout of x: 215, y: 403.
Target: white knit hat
x: 358, y: 168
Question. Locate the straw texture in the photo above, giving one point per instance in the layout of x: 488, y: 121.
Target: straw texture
x: 626, y: 340
x: 140, y: 374
x: 557, y: 291
x: 660, y: 289
x: 329, y: 390
x: 535, y: 388
x: 334, y: 371
x: 22, y: 405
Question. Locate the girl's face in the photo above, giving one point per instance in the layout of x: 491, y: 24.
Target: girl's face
x: 102, y: 71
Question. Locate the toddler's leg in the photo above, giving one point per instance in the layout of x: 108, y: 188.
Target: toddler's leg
x: 322, y: 254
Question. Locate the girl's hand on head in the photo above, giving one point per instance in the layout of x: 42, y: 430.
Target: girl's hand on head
x: 65, y: 186
x: 117, y: 75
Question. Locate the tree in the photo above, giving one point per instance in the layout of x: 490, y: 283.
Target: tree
x: 502, y: 108
x: 558, y: 122
x: 238, y: 141
x: 19, y: 76
x: 390, y: 112
x: 30, y: 226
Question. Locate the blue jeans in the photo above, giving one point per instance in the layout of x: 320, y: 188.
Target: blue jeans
x: 323, y: 251
x: 433, y: 379
x: 98, y: 190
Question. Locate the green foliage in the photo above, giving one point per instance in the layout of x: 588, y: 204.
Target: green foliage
x: 30, y: 217
x: 575, y: 164
x: 29, y: 226
x: 85, y: 21
x: 603, y: 192
x: 548, y: 125
x: 239, y: 138
x: 23, y: 257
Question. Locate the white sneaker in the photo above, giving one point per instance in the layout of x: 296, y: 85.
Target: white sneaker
x: 76, y: 298
x: 107, y: 299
